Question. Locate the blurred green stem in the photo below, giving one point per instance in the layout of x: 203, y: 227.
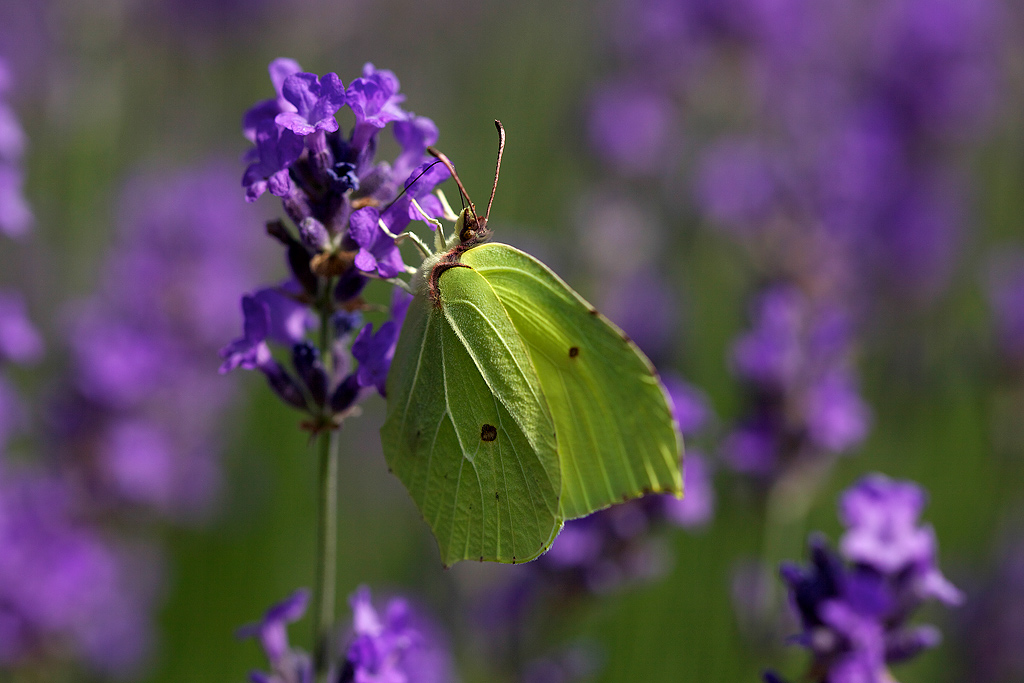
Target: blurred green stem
x: 327, y: 553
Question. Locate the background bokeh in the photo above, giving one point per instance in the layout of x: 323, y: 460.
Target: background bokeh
x: 109, y: 89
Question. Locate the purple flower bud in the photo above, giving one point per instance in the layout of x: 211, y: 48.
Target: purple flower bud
x: 313, y: 234
x: 698, y: 504
x: 271, y: 631
x: 346, y: 394
x: 282, y: 384
x: 350, y: 285
x: 315, y: 103
x: 377, y: 251
x: 306, y: 360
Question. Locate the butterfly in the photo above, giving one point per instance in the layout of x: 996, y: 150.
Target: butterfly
x: 513, y: 405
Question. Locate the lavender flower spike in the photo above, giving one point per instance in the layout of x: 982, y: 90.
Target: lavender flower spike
x: 855, y: 616
x: 398, y: 646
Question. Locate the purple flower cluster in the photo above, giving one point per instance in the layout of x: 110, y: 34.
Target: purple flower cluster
x: 65, y: 588
x: 346, y: 210
x: 855, y: 614
x: 859, y: 110
x: 15, y: 214
x: 143, y: 347
x: 396, y: 645
x: 795, y: 361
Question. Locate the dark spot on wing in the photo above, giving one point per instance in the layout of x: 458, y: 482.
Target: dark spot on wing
x: 593, y: 311
x: 626, y: 338
x: 574, y: 351
x: 488, y: 433
x: 496, y: 496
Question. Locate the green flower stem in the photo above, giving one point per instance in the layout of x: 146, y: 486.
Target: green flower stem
x: 327, y: 514
x: 327, y: 553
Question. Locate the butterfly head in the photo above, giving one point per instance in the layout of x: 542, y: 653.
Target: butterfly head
x: 471, y: 229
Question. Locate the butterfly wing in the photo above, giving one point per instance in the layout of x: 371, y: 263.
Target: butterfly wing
x: 617, y: 438
x: 468, y: 430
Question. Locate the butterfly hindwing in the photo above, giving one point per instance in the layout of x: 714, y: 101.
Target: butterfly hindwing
x: 468, y: 430
x: 616, y: 435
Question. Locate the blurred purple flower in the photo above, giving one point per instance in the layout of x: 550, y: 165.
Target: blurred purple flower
x: 690, y: 405
x: 737, y: 184
x: 881, y: 516
x: 143, y: 346
x: 697, y: 507
x: 62, y: 583
x: 288, y: 665
x: 837, y: 417
x: 15, y: 215
x: 753, y: 447
x: 315, y: 101
x: 631, y: 127
x: 397, y: 645
x: 771, y: 353
x: 854, y: 618
x: 19, y: 340
x: 936, y: 61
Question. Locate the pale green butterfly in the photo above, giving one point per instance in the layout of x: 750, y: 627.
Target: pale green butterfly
x: 514, y: 405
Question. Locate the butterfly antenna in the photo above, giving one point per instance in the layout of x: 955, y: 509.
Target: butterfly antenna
x: 405, y: 188
x: 451, y: 169
x: 497, y: 168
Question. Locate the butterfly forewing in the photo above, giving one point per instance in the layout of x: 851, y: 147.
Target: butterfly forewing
x: 616, y: 435
x: 468, y: 430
